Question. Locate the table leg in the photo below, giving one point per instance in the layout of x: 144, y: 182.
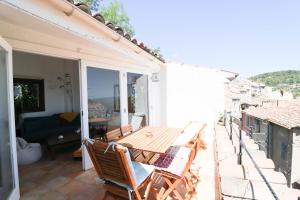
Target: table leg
x: 148, y: 157
x: 51, y: 150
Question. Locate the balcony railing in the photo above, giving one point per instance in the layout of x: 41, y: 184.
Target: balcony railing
x: 235, y: 127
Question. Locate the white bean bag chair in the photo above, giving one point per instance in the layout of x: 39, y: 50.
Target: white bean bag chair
x: 28, y: 152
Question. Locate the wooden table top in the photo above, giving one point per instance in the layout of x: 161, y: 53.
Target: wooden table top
x: 152, y: 139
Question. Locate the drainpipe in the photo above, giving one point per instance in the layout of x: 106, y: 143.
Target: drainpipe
x: 240, y: 144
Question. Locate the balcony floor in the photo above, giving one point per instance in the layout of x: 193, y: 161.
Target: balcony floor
x: 63, y: 178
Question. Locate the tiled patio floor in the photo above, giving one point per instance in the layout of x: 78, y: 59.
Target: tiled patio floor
x: 62, y: 178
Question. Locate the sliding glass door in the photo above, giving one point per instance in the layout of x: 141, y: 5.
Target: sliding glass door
x: 103, y: 101
x: 8, y: 164
x: 110, y: 99
x: 137, y: 98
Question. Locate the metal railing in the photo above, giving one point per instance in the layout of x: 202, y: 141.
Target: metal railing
x: 238, y: 122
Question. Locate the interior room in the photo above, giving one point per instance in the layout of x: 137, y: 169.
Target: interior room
x: 47, y: 116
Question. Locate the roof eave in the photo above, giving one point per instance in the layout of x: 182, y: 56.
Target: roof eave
x: 72, y: 10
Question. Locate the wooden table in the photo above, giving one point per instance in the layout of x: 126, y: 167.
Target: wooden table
x: 67, y: 139
x: 151, y: 139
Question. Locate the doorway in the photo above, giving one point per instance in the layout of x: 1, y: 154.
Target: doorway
x: 48, y: 120
x: 8, y: 165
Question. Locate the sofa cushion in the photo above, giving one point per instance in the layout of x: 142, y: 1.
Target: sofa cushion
x: 69, y: 116
x: 40, y: 123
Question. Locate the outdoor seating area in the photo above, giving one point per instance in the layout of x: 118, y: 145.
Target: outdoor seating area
x: 117, y: 173
x: 164, y: 166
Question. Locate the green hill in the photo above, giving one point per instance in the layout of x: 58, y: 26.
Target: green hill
x: 286, y: 80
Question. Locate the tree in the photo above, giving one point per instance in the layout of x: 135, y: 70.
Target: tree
x: 84, y: 1
x: 116, y: 14
x: 156, y: 50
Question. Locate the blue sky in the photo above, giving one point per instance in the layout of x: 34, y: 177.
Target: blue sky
x: 247, y: 36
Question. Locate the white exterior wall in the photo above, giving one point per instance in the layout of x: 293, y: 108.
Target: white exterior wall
x: 193, y: 94
x: 47, y: 30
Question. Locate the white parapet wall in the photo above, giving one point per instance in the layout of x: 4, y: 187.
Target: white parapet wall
x: 193, y: 94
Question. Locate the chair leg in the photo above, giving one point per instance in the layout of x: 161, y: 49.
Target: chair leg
x: 194, y: 177
x: 149, y: 186
x: 105, y: 195
x: 191, y: 188
x: 137, y: 194
x: 172, y: 186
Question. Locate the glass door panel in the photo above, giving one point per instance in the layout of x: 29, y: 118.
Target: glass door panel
x: 103, y: 101
x: 137, y: 94
x: 7, y: 180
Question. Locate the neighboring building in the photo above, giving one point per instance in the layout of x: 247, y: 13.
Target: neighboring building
x: 230, y: 75
x: 277, y: 130
x: 243, y: 93
x: 278, y: 94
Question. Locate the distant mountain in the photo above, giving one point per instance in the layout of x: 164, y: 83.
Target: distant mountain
x: 286, y: 80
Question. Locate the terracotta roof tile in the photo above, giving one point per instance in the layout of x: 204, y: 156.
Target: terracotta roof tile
x: 134, y: 41
x: 99, y: 17
x: 84, y: 7
x: 287, y: 115
x: 110, y: 25
x: 119, y: 30
x: 127, y: 36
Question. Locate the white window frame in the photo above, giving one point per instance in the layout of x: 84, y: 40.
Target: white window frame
x: 84, y: 64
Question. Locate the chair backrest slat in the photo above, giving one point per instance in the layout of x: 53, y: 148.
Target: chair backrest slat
x: 113, y: 135
x: 192, y: 156
x: 111, y: 165
x: 126, y: 130
x: 137, y: 121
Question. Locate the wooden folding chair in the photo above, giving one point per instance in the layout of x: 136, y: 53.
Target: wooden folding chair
x: 198, y: 138
x: 113, y: 135
x: 123, y: 178
x: 126, y: 130
x: 173, y: 171
x: 200, y: 144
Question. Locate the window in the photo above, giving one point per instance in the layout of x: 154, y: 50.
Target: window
x: 283, y: 151
x: 248, y: 121
x: 103, y: 100
x: 29, y: 95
